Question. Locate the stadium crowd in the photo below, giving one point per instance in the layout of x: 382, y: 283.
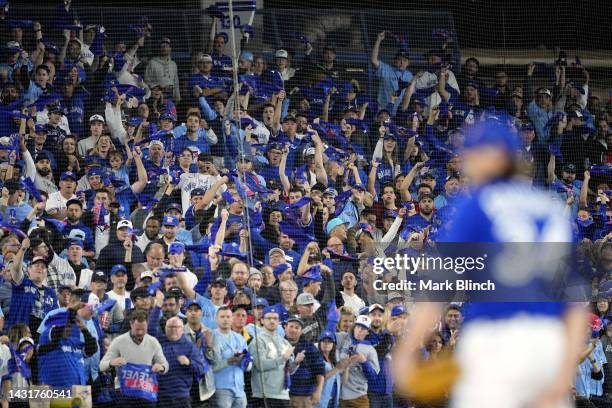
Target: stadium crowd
x: 190, y: 241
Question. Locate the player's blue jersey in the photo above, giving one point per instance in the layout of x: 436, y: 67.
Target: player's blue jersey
x: 512, y: 212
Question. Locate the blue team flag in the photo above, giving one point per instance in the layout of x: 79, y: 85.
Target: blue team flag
x: 247, y: 360
x: 201, y: 247
x: 138, y: 381
x: 152, y: 288
x: 242, y: 192
x: 333, y: 317
x: 58, y: 319
x: 147, y: 201
x: 50, y: 47
x: 14, y: 230
x: 104, y: 306
x: 97, y: 47
x: 300, y: 235
x: 227, y: 196
x: 602, y: 169
x: 299, y: 36
x: 29, y: 185
x: 17, y: 364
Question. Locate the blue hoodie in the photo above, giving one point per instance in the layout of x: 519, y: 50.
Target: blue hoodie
x: 177, y: 382
x: 303, y: 381
x: 381, y: 383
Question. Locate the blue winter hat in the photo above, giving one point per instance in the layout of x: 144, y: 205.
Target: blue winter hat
x: 279, y: 269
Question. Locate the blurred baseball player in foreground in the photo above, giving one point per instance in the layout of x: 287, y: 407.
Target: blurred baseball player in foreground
x: 510, y: 354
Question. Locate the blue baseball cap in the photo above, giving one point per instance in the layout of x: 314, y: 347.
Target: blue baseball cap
x: 135, y: 121
x: 41, y: 156
x: 192, y: 302
x: 328, y: 335
x: 359, y: 186
x: 68, y: 175
x: 270, y: 309
x: 398, y: 310
x: 246, y: 55
x: 170, y: 220
x: 56, y: 109
x: 174, y: 206
x: 260, y: 302
x: 40, y: 129
x: 279, y: 269
x: 168, y: 116
x: 390, y: 214
x: 77, y: 242
x: 96, y: 171
x: 176, y: 248
x: 333, y: 223
x: 527, y: 126
x: 197, y: 192
x: 312, y: 276
x: 118, y: 268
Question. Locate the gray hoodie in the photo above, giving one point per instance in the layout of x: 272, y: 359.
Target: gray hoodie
x: 357, y: 383
x: 269, y: 365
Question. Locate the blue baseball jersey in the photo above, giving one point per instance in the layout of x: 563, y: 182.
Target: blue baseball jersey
x: 512, y: 212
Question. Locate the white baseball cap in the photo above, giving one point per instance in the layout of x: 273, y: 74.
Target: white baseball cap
x: 156, y: 142
x: 364, y: 321
x: 281, y: 54
x: 146, y: 274
x: 98, y: 118
x: 124, y: 223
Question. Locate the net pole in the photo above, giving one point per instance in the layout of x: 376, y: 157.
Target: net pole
x: 236, y: 112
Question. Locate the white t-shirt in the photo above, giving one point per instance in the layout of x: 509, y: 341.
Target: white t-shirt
x: 102, y: 235
x: 191, y: 181
x: 120, y: 299
x: 56, y: 201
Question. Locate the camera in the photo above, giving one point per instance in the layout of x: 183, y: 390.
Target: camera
x: 562, y: 59
x: 315, y: 258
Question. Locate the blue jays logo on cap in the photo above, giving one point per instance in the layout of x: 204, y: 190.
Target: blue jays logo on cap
x: 327, y: 335
x: 270, y: 309
x: 260, y: 302
x: 170, y: 221
x: 68, y: 175
x: 176, y: 248
x: 118, y: 268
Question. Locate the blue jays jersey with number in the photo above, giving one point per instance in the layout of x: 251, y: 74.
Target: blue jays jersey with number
x: 510, y: 213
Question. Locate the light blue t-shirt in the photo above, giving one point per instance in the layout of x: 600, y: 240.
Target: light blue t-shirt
x: 389, y: 78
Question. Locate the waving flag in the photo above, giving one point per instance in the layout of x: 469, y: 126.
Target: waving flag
x: 333, y: 317
x: 104, y: 306
x: 29, y: 185
x: 152, y: 288
x: 17, y: 364
x: 138, y: 381
x: 14, y: 230
x: 247, y: 360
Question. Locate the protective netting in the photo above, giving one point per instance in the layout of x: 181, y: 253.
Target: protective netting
x: 202, y: 202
